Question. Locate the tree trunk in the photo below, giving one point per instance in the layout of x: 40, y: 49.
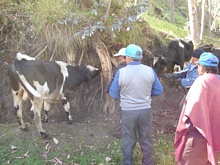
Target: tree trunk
x: 209, y: 17
x: 215, y: 15
x: 202, y: 21
x: 102, y: 51
x: 193, y: 20
x: 172, y: 11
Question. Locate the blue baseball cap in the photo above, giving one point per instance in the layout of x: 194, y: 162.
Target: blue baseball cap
x: 134, y: 51
x: 208, y: 59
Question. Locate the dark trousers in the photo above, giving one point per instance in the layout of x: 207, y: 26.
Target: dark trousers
x: 116, y: 131
x: 133, y: 122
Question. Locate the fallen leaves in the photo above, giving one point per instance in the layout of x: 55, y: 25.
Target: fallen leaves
x: 13, y: 147
x: 55, y: 140
x: 107, y: 159
x: 23, y: 156
x: 48, y: 147
x: 68, y: 156
x: 57, y: 160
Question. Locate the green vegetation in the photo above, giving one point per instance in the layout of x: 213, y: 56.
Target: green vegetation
x: 165, y: 27
x: 21, y: 148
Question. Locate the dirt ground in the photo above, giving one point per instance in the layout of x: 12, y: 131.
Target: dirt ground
x: 90, y: 125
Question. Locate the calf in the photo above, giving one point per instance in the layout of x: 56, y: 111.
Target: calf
x: 44, y: 83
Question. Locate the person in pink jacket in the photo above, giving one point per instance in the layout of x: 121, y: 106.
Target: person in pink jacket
x: 197, y: 137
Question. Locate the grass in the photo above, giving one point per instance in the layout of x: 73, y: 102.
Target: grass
x: 164, y: 150
x: 23, y: 148
x: 165, y: 27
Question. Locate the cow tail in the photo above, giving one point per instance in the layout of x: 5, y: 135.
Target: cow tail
x: 22, y: 80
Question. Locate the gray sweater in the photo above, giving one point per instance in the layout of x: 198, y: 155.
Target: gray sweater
x: 136, y: 88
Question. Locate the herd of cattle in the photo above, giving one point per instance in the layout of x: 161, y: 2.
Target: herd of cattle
x: 46, y: 82
x: 179, y: 51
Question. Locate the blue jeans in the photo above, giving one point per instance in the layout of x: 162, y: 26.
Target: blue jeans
x: 133, y: 122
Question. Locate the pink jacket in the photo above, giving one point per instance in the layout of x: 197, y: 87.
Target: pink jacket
x: 202, y: 106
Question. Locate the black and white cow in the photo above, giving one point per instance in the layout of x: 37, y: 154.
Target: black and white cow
x: 179, y: 51
x: 44, y: 83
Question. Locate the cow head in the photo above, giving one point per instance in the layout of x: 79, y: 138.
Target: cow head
x: 159, y: 65
x: 90, y: 71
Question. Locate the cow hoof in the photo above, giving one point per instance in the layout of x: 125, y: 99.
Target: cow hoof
x: 45, y: 136
x: 25, y: 129
x: 45, y: 121
x: 70, y: 122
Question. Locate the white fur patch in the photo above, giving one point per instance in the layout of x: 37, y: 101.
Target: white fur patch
x: 28, y: 86
x: 155, y: 60
x: 25, y: 96
x: 91, y: 68
x: 64, y: 71
x: 24, y: 56
x: 181, y: 45
x: 42, y: 89
x: 67, y: 106
x: 63, y: 68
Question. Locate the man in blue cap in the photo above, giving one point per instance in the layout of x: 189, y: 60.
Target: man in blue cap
x: 197, y: 134
x: 187, y: 76
x: 134, y: 85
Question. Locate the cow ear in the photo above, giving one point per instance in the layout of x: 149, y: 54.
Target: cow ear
x: 187, y: 44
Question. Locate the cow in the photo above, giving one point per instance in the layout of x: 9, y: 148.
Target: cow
x: 179, y: 52
x: 44, y: 83
x: 206, y: 48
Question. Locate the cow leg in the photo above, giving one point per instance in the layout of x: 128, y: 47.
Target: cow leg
x: 47, y: 107
x: 66, y: 105
x: 38, y: 103
x: 18, y: 102
x: 32, y: 111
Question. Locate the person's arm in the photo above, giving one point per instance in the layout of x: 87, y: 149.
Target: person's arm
x: 121, y: 65
x: 157, y: 88
x: 114, y: 91
x: 181, y: 74
x: 188, y: 81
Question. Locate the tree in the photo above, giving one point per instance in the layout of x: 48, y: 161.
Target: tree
x: 209, y: 17
x: 193, y: 20
x: 215, y: 15
x: 202, y: 21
